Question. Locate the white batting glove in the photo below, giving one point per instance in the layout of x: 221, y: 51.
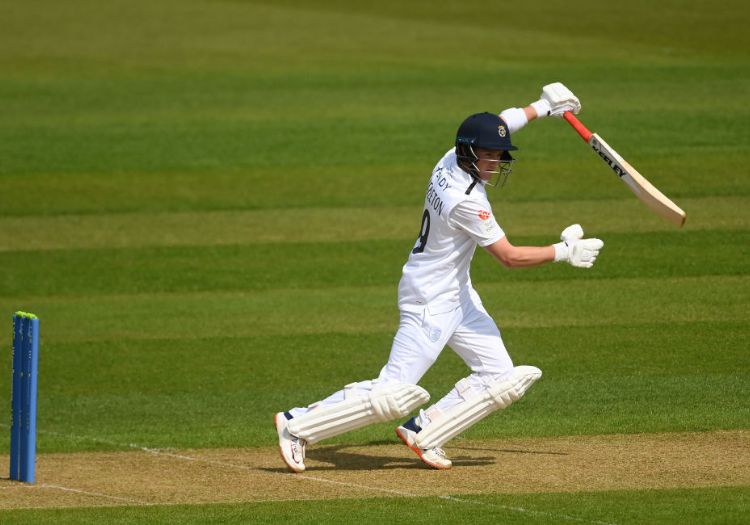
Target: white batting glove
x: 556, y: 99
x: 573, y: 232
x: 576, y: 250
x: 583, y: 253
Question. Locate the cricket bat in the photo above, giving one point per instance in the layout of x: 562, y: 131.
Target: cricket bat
x: 637, y: 183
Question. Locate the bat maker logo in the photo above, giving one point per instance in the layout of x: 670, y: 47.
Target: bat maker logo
x: 610, y: 161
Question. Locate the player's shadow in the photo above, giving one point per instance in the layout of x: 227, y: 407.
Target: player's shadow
x: 339, y: 457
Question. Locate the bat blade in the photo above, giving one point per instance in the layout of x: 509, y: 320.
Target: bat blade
x: 642, y: 188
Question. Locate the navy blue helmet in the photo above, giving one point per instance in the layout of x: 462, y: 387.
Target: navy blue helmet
x: 485, y: 131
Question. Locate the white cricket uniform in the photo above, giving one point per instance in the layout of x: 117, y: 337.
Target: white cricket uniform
x: 437, y: 302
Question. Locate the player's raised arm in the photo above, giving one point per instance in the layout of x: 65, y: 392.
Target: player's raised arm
x: 555, y: 100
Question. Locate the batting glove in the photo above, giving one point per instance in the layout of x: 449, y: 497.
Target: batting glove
x: 576, y: 250
x: 556, y: 99
x: 583, y: 253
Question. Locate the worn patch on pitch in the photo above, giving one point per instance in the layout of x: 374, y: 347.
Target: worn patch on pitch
x: 556, y: 464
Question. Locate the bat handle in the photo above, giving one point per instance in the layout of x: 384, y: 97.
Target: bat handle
x: 578, y: 126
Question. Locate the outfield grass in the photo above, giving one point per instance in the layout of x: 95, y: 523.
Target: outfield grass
x: 208, y: 204
x: 724, y: 506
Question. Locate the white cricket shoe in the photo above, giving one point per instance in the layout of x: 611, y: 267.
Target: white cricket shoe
x: 434, y: 457
x: 291, y: 447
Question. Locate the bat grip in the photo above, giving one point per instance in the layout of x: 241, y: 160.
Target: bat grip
x: 578, y: 126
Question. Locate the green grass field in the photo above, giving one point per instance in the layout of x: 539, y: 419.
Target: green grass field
x: 208, y: 204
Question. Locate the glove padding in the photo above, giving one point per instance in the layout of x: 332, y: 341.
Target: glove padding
x: 573, y: 232
x: 557, y: 99
x: 576, y: 250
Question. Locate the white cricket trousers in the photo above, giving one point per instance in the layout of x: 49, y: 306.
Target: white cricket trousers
x: 468, y: 330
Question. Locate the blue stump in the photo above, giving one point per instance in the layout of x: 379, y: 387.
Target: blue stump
x: 24, y: 396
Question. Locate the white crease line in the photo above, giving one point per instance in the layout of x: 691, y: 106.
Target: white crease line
x: 158, y: 452
x: 39, y: 486
x: 522, y: 510
x: 356, y: 485
x: 161, y: 452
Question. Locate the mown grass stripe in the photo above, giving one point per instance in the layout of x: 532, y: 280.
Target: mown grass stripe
x: 314, y: 265
x: 316, y: 225
x: 554, y: 169
x: 373, y: 309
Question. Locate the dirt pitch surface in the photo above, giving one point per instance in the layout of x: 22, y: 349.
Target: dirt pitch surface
x: 577, y: 463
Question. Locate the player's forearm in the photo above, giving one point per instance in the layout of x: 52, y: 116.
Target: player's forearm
x: 530, y: 113
x: 524, y: 256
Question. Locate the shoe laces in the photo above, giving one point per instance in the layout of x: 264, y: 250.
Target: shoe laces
x: 298, y: 446
x: 439, y: 451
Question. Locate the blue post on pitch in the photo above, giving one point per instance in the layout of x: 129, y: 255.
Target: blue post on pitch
x: 24, y: 397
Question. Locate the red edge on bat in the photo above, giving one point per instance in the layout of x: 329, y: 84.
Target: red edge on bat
x: 578, y: 126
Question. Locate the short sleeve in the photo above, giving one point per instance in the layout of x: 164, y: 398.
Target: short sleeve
x: 477, y: 220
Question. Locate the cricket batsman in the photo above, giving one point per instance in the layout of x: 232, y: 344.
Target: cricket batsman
x: 439, y: 306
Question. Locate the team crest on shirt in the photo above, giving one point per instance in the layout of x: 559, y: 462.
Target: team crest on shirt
x: 502, y: 131
x: 484, y: 215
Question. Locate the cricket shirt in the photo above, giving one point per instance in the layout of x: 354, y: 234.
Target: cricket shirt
x: 454, y: 222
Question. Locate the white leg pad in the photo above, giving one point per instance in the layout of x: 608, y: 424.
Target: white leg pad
x: 358, y: 409
x: 446, y: 425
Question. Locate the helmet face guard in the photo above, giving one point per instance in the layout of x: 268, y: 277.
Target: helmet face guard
x: 503, y: 169
x: 485, y: 131
x: 499, y: 170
